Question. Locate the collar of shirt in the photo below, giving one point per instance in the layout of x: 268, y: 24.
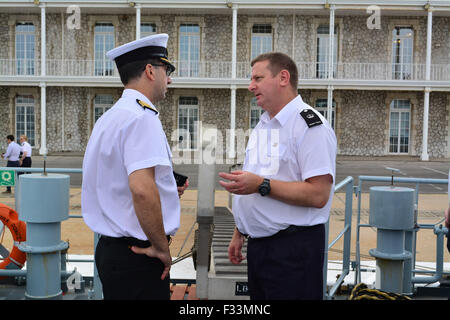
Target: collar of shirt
x: 285, y: 113
x: 131, y: 93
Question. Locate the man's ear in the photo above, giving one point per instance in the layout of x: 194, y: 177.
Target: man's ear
x: 285, y: 78
x: 149, y: 72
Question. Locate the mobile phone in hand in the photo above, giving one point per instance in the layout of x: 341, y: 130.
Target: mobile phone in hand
x: 180, y: 179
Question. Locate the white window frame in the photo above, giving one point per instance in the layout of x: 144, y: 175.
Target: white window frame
x: 25, y: 65
x: 148, y: 33
x: 101, y: 104
x: 29, y: 118
x: 191, y: 120
x: 259, y: 40
x: 191, y: 66
x: 324, y: 110
x: 106, y: 66
x: 401, y: 69
x: 254, y: 109
x: 323, y: 38
x: 400, y: 111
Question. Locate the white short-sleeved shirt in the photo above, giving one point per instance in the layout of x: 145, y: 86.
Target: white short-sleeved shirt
x: 126, y: 138
x: 12, y: 152
x: 26, y: 148
x: 285, y: 148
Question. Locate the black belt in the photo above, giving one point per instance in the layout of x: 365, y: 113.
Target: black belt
x: 130, y: 241
x: 289, y: 230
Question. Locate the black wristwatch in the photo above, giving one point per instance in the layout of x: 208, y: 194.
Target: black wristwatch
x: 264, y: 187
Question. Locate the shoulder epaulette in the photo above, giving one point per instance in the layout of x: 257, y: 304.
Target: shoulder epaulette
x: 311, y: 118
x: 145, y: 105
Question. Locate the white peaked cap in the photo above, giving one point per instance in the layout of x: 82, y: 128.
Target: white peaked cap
x: 154, y: 46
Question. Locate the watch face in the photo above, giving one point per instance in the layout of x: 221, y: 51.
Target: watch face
x: 263, y: 190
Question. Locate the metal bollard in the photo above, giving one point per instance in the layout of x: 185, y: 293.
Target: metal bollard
x: 392, y: 213
x: 44, y: 203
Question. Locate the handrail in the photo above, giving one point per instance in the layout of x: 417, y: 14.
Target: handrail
x: 223, y: 69
x: 346, y: 233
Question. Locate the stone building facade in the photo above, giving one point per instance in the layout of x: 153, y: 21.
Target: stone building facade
x: 367, y: 97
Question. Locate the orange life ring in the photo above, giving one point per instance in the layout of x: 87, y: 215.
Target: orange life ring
x: 18, y: 229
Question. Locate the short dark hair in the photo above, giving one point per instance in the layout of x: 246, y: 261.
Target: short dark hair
x: 10, y: 137
x: 279, y: 61
x: 133, y: 70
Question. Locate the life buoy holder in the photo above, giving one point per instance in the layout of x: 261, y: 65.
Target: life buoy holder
x: 18, y: 229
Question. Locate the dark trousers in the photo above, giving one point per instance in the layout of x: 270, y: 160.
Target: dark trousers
x: 12, y: 164
x: 287, y: 266
x: 26, y: 163
x: 126, y: 275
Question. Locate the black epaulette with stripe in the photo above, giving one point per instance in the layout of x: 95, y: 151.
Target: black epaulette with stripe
x: 145, y: 105
x: 311, y: 118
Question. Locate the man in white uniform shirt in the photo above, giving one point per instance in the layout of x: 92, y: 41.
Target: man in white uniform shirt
x: 284, y: 192
x: 25, y: 161
x: 129, y: 195
x: 11, y: 155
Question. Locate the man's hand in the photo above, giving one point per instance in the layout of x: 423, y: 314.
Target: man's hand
x: 241, y: 182
x: 235, y: 248
x: 181, y: 189
x: 165, y: 257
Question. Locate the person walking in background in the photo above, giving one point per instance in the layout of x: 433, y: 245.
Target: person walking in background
x: 11, y: 155
x: 25, y: 161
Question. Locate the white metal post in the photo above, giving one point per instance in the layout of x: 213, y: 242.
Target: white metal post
x: 426, y: 106
x: 138, y: 21
x: 231, y: 151
x: 330, y: 66
x: 43, y: 149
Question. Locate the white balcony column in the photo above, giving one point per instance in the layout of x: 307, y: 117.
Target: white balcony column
x: 43, y: 150
x: 43, y: 39
x: 426, y: 107
x: 234, y: 42
x: 429, y: 37
x: 330, y: 105
x: 330, y: 66
x: 331, y: 43
x: 138, y: 21
x: 231, y: 150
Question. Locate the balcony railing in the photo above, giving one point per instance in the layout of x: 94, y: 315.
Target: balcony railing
x: 222, y: 70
